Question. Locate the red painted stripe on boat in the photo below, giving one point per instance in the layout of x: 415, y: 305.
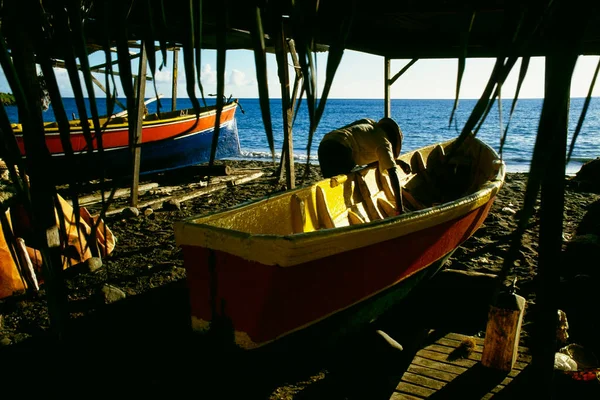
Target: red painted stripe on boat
x: 114, y: 138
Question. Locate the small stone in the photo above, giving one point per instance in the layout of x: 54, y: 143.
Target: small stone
x: 156, y: 206
x: 508, y: 210
x: 93, y: 264
x: 112, y: 294
x: 388, y: 342
x: 148, y: 211
x: 171, y: 205
x: 5, y: 341
x: 130, y: 212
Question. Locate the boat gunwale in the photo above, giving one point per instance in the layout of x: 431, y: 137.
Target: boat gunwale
x: 290, y: 249
x: 118, y: 127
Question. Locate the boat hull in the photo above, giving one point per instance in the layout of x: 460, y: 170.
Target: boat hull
x: 257, y: 296
x: 171, y: 143
x: 250, y: 270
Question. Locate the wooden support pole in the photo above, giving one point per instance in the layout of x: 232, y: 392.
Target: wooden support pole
x: 552, y: 139
x: 292, y: 105
x: 101, y: 87
x: 281, y: 52
x: 290, y: 176
x: 140, y: 88
x: 390, y: 81
x: 174, y: 88
x: 40, y: 199
x: 386, y: 88
x: 402, y: 71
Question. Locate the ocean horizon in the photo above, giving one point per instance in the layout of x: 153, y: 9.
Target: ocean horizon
x: 423, y: 122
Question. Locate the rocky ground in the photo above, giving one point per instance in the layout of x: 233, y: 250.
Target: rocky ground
x: 140, y: 344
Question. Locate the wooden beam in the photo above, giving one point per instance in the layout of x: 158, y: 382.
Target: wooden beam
x: 174, y: 84
x: 386, y: 88
x: 284, y: 80
x: 101, y: 86
x: 131, y: 57
x: 403, y: 70
x: 60, y: 64
x: 552, y: 135
x: 191, y: 192
x: 294, y: 94
x: 137, y: 150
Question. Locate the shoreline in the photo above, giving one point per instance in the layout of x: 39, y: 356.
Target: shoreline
x: 570, y: 171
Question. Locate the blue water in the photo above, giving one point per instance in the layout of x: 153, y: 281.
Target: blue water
x: 423, y: 122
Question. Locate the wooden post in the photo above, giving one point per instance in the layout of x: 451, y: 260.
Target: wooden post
x: 387, y: 111
x: 503, y: 330
x: 140, y: 88
x: 281, y: 50
x: 552, y: 131
x: 40, y: 201
x: 390, y: 81
x: 563, y: 39
x: 292, y: 105
x: 174, y: 88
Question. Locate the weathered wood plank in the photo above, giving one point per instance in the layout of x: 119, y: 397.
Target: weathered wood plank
x: 431, y: 373
x: 96, y: 198
x: 448, y: 351
x: 524, y: 356
x: 463, y: 362
x: 404, y: 396
x: 232, y: 181
x: 414, y: 390
x: 436, y: 356
x: 455, y: 343
x: 459, y: 337
x: 440, y: 366
x: 424, y: 381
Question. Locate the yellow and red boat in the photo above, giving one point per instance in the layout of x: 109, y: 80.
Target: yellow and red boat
x: 170, y: 140
x: 295, y: 260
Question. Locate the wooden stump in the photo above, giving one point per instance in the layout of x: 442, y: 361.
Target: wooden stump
x: 500, y: 348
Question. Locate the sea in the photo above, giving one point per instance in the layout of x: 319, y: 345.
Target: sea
x: 423, y: 122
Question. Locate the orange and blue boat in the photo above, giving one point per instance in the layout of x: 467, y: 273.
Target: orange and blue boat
x: 170, y: 140
x: 335, y: 253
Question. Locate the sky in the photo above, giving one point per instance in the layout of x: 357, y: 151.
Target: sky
x: 359, y: 75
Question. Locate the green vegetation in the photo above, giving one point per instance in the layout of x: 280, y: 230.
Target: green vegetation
x: 7, y: 99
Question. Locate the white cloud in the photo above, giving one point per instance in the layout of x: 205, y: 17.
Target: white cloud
x: 208, y: 76
x: 238, y: 78
x: 163, y: 77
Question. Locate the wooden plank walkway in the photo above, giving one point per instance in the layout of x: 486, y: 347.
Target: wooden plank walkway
x: 438, y: 371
